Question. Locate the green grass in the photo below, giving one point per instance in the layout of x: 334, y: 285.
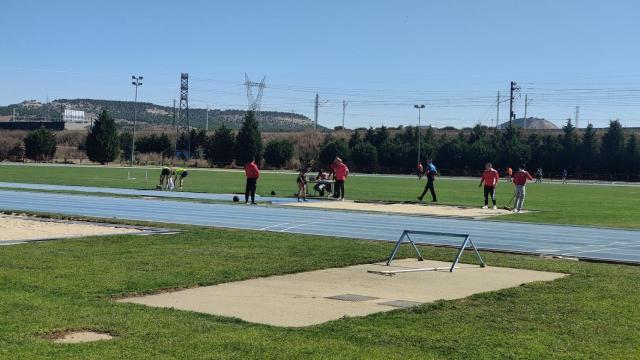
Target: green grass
x: 595, y: 205
x: 60, y: 285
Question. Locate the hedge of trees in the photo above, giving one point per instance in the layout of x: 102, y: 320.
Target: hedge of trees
x: 372, y: 150
x: 378, y: 150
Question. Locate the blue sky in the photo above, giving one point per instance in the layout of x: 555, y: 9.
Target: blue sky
x: 380, y: 56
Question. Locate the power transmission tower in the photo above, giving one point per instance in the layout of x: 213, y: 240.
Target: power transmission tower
x: 254, y: 100
x: 513, y: 88
x: 344, y: 107
x: 183, y: 115
x: 175, y: 126
x: 577, y: 115
x: 526, y: 105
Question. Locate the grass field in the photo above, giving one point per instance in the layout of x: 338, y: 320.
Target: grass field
x: 595, y: 205
x: 60, y: 285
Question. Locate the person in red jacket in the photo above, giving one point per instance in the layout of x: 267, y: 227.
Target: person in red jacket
x: 419, y: 170
x: 252, y: 173
x: 520, y: 179
x: 341, y: 171
x: 490, y: 179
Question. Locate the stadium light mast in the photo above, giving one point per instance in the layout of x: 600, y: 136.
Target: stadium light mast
x: 419, y: 107
x: 137, y: 82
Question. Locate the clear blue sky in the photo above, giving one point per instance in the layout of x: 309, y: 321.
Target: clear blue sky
x: 381, y: 56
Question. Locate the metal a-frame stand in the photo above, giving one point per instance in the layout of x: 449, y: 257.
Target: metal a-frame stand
x: 406, y: 234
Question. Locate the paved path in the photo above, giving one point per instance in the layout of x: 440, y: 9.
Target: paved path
x: 583, y: 242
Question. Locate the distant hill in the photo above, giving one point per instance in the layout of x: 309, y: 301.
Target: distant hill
x: 155, y: 114
x: 532, y: 123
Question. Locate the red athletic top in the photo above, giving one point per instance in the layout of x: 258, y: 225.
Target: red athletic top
x: 341, y: 172
x: 251, y: 170
x: 521, y: 177
x: 420, y: 168
x: 490, y: 177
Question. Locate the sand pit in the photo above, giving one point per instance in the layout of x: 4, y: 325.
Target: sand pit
x: 400, y: 208
x: 81, y: 337
x: 315, y: 297
x: 16, y: 229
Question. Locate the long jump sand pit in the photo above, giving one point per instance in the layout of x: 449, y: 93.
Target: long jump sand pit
x: 17, y: 229
x: 315, y: 297
x: 404, y: 208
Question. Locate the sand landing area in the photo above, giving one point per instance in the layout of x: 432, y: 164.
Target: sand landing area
x: 315, y: 297
x: 404, y: 208
x: 16, y: 229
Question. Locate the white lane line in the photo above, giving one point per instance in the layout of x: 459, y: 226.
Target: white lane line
x: 302, y: 224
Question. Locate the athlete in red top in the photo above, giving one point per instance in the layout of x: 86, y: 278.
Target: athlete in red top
x: 490, y: 179
x: 521, y: 176
x: 520, y: 179
x: 253, y: 173
x: 341, y: 172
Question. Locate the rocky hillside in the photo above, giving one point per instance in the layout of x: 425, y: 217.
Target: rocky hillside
x: 155, y: 114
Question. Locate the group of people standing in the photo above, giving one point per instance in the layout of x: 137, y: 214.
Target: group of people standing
x: 339, y: 173
x: 489, y: 180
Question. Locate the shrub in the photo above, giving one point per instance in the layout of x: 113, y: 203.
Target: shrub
x: 40, y: 144
x: 219, y: 147
x: 365, y: 156
x: 278, y: 152
x: 103, y: 144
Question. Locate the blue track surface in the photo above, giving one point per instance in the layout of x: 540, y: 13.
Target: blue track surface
x: 582, y: 242
x: 137, y: 192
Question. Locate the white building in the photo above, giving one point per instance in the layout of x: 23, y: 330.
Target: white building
x: 73, y: 116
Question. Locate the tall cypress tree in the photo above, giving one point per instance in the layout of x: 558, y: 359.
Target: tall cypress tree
x: 632, y: 163
x: 569, y: 145
x: 589, y: 150
x: 613, y: 149
x: 249, y: 140
x: 102, y: 144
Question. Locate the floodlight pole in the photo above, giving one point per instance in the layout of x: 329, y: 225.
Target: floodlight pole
x: 419, y: 107
x: 137, y: 82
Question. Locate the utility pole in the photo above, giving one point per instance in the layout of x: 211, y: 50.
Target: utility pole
x: 137, y: 82
x: 344, y: 106
x: 513, y: 88
x: 498, y: 110
x: 577, y: 115
x: 419, y: 107
x: 206, y: 123
x: 315, y: 118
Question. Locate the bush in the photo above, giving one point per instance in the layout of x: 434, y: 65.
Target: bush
x: 154, y: 144
x: 332, y: 149
x: 103, y: 144
x: 16, y: 153
x: 278, y: 152
x: 219, y: 147
x: 365, y: 156
x: 40, y: 145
